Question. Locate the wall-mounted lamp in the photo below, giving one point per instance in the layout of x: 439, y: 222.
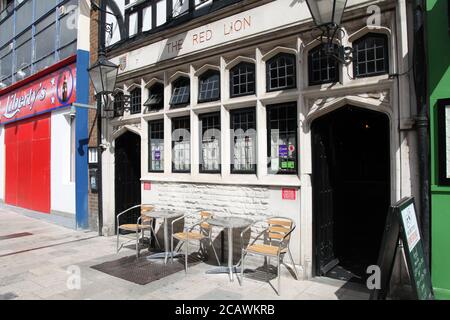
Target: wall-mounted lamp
x: 327, y: 15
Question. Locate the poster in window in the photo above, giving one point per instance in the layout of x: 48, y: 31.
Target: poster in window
x: 444, y: 142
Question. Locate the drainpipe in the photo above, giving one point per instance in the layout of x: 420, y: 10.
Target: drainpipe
x: 422, y: 121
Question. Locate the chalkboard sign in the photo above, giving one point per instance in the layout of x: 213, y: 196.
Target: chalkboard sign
x: 402, y: 223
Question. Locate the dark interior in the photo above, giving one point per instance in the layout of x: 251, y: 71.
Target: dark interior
x: 128, y: 176
x: 351, y: 190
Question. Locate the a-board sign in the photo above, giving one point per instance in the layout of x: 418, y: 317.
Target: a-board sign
x: 401, y: 223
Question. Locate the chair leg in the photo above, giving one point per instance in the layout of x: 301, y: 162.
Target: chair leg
x: 279, y: 275
x: 137, y: 243
x: 293, y: 263
x: 118, y: 235
x: 214, y: 250
x: 186, y: 257
x: 171, y: 249
x: 267, y: 268
x: 242, y: 266
x: 156, y: 238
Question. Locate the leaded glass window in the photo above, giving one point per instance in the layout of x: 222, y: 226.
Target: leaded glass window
x: 281, y: 72
x: 181, y: 94
x: 371, y: 55
x: 243, y: 141
x: 210, y: 143
x: 282, y: 138
x: 242, y: 79
x: 209, y: 86
x: 156, y: 97
x: 322, y: 68
x: 135, y: 101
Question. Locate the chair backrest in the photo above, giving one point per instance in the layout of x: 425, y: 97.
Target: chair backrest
x: 146, y: 208
x: 205, y: 215
x: 279, y: 228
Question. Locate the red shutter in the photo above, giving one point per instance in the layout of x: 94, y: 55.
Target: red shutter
x: 28, y: 163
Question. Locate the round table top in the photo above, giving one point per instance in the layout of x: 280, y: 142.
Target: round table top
x: 230, y: 222
x: 163, y: 213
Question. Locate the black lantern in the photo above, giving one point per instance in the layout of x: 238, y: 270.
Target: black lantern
x: 103, y: 74
x: 327, y: 15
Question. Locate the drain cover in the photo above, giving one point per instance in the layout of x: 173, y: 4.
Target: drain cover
x: 15, y: 235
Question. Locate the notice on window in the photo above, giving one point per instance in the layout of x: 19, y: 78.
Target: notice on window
x: 157, y: 155
x: 411, y: 226
x: 283, y: 151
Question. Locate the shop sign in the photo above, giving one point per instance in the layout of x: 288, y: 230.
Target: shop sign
x: 50, y: 92
x: 289, y: 194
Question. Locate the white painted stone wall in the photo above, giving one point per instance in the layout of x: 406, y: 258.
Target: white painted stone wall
x: 246, y: 201
x: 62, y: 188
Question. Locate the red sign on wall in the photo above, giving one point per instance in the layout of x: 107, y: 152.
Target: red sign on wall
x: 147, y: 186
x: 50, y: 92
x: 289, y: 194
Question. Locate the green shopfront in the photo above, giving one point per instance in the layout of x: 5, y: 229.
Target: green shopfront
x: 438, y: 25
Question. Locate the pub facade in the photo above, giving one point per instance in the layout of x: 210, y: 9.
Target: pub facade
x: 234, y: 108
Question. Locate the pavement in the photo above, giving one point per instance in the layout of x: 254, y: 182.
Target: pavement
x: 38, y: 261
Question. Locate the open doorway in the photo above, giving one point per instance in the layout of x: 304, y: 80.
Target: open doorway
x: 128, y: 175
x: 351, y: 190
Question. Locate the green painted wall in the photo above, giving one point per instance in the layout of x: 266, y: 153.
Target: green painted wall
x: 438, y: 88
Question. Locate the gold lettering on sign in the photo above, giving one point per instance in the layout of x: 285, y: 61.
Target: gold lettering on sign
x: 202, y: 37
x: 237, y: 25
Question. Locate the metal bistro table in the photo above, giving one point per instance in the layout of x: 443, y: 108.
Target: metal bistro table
x: 166, y: 215
x: 229, y: 223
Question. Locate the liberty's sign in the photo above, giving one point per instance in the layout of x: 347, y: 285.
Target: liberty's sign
x: 55, y: 90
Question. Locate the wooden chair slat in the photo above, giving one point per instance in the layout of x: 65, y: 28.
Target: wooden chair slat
x: 280, y: 222
x: 279, y: 229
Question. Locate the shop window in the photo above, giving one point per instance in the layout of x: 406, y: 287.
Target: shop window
x: 322, y: 68
x: 243, y: 148
x: 209, y: 86
x: 135, y: 101
x: 181, y: 145
x: 181, y: 92
x: 156, y: 97
x: 282, y: 138
x: 156, y: 145
x: 281, y: 72
x: 371, y: 54
x: 242, y: 79
x: 210, y: 143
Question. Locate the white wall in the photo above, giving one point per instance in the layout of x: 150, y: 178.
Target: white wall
x: 62, y: 189
x: 2, y: 163
x: 254, y: 202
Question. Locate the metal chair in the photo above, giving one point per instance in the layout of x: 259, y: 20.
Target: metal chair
x: 142, y: 224
x: 275, y: 244
x: 204, y: 233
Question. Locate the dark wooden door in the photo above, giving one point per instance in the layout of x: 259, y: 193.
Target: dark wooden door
x: 323, y: 200
x: 128, y: 175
